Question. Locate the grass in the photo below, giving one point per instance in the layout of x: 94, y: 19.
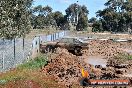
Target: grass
x: 38, y: 62
x: 38, y: 32
x: 30, y: 73
x: 123, y: 56
x: 23, y: 71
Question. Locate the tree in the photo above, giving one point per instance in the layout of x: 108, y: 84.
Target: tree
x: 116, y: 17
x: 41, y: 16
x: 71, y: 11
x: 47, y: 10
x: 58, y: 17
x: 97, y: 26
x: 82, y: 23
x: 78, y: 14
x: 92, y: 20
x: 38, y: 10
x: 14, y: 19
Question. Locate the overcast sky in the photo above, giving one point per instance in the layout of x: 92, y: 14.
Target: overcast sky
x: 60, y: 5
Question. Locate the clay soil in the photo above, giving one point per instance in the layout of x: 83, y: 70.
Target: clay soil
x: 66, y: 67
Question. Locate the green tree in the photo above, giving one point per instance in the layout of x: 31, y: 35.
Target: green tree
x: 97, y: 26
x: 41, y: 16
x: 14, y: 20
x: 78, y: 14
x: 117, y: 16
x: 92, y: 20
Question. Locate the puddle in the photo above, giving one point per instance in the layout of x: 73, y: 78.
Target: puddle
x: 127, y: 75
x: 97, y: 60
x: 127, y: 50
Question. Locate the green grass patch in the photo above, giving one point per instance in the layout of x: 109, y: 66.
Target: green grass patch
x: 38, y: 62
x: 23, y: 71
x: 123, y: 56
x: 8, y: 78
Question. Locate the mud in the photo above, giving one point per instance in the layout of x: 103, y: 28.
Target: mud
x: 66, y: 67
x: 108, y: 48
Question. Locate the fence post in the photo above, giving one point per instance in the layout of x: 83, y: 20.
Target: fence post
x: 64, y: 33
x: 3, y: 54
x: 3, y: 64
x: 14, y: 49
x: 23, y: 47
x: 55, y: 36
x: 39, y: 45
x: 58, y: 35
x: 51, y: 37
x: 46, y: 37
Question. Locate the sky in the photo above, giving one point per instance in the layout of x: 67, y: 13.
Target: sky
x: 60, y: 5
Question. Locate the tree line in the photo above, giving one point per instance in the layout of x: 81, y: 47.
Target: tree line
x: 43, y: 16
x: 116, y: 17
x: 18, y: 16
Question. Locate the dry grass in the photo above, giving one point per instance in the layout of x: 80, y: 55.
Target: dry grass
x: 38, y: 32
x: 20, y: 79
x: 101, y: 35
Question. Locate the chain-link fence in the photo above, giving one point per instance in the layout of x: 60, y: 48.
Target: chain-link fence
x: 54, y: 36
x: 10, y: 57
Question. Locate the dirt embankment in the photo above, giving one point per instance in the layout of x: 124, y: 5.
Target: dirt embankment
x: 66, y: 67
x: 116, y: 68
x: 107, y: 48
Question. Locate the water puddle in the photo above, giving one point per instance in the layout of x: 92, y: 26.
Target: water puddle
x: 127, y: 50
x: 127, y: 75
x: 97, y: 60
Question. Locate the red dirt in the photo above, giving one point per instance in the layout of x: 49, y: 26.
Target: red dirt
x: 65, y: 67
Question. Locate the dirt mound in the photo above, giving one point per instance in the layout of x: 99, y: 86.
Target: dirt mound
x: 107, y: 48
x: 65, y: 67
x: 121, y: 69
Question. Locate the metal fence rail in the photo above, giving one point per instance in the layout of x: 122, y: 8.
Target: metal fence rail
x: 7, y: 59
